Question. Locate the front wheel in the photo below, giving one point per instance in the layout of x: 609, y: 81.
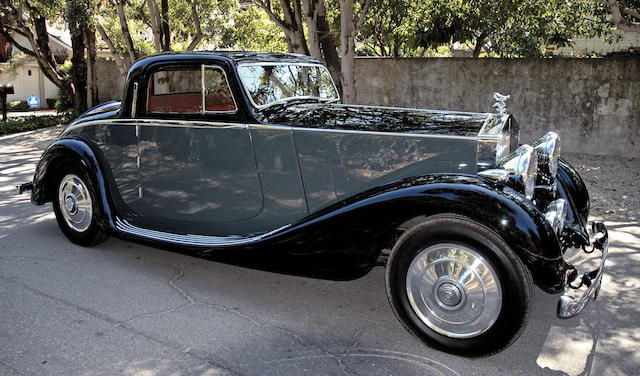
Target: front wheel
x: 457, y: 286
x: 76, y: 207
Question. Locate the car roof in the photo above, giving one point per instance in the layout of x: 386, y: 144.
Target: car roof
x: 236, y: 57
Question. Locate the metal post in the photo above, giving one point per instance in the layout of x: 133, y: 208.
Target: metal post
x: 4, y: 107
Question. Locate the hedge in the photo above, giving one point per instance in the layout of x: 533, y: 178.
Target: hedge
x: 29, y: 123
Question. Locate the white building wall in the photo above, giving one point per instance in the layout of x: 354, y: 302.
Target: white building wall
x: 586, y: 46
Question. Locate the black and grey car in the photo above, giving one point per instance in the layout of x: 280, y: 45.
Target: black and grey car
x: 250, y: 158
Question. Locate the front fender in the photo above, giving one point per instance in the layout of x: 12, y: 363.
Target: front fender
x: 71, y: 150
x: 367, y: 219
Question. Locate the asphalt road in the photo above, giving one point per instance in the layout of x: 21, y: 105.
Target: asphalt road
x: 127, y: 309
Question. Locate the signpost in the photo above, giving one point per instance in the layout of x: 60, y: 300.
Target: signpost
x: 4, y: 90
x: 33, y: 101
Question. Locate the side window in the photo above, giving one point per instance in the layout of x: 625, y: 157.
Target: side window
x: 185, y: 90
x: 216, y: 88
x: 175, y: 91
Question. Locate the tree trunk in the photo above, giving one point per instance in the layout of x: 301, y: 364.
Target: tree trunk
x: 619, y: 21
x: 5, y: 44
x: 78, y: 73
x: 154, y: 17
x: 92, y: 80
x: 296, y: 40
x: 166, y: 33
x: 479, y: 43
x: 349, y: 25
x: 311, y: 9
x: 347, y: 41
x: 124, y: 26
x: 329, y: 46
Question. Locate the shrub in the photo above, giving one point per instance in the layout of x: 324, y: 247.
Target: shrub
x: 18, y: 106
x: 63, y: 103
x: 28, y: 123
x: 51, y: 103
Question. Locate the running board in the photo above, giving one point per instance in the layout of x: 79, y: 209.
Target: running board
x: 193, y: 240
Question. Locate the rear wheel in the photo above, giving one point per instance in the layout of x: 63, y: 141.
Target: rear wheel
x: 76, y: 207
x: 457, y: 286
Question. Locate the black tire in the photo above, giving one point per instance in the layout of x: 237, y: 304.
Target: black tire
x: 86, y: 233
x: 443, y: 300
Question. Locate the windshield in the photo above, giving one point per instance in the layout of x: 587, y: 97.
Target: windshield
x: 268, y: 83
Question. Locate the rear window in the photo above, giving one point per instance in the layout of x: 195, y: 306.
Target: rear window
x: 185, y: 90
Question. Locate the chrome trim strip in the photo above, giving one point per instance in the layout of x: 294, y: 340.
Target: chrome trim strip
x: 134, y: 101
x: 204, y: 111
x: 210, y: 124
x: 164, y: 123
x: 380, y: 133
x: 105, y: 107
x: 202, y: 87
x: 273, y: 63
x: 192, y: 239
x: 444, y: 112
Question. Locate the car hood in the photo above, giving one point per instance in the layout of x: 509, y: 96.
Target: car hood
x: 377, y: 119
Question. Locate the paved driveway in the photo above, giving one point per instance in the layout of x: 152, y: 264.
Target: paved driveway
x: 125, y: 308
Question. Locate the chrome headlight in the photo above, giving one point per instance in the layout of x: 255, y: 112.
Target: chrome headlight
x: 548, y: 150
x: 524, y: 163
x: 556, y: 213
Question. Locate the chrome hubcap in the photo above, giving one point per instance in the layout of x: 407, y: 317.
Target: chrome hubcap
x: 454, y: 290
x: 75, y: 203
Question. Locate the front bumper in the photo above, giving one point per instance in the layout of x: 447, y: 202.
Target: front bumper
x: 570, y: 306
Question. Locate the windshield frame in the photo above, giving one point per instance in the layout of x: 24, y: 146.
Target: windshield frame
x: 285, y: 100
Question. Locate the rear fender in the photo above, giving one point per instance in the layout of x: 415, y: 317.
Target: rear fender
x: 72, y: 150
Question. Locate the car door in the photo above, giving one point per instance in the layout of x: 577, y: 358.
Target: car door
x: 197, y: 166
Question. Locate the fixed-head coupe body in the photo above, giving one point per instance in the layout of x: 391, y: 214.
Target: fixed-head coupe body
x: 251, y: 158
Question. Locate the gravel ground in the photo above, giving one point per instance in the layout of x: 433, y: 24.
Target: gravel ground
x: 612, y: 183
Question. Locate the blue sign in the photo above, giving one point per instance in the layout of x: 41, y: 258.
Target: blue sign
x: 33, y: 101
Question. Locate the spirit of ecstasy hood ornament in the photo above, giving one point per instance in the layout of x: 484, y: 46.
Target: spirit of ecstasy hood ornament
x: 500, y: 103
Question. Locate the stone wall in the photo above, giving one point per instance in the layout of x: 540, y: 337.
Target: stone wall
x: 593, y: 103
x: 110, y: 82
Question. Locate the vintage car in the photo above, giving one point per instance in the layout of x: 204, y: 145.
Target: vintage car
x: 249, y: 158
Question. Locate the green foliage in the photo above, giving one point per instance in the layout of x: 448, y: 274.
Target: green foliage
x: 250, y: 29
x: 18, y: 106
x: 29, y: 123
x: 14, y: 63
x: 79, y: 15
x: 51, y: 102
x: 63, y: 103
x: 507, y: 28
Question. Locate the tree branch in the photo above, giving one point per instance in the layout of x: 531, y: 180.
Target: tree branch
x: 196, y: 20
x: 120, y: 63
x: 266, y: 6
x: 124, y: 26
x: 7, y: 35
x: 631, y: 12
x: 618, y: 20
x: 361, y: 16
